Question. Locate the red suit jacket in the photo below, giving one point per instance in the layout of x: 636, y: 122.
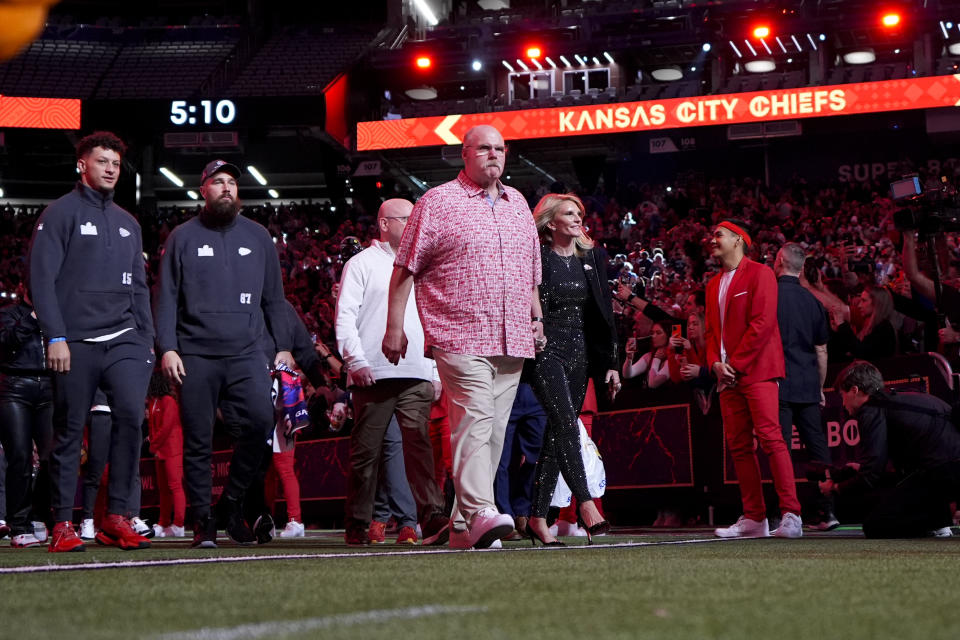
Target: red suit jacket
x: 751, y: 332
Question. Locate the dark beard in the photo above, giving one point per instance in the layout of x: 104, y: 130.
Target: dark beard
x: 220, y: 213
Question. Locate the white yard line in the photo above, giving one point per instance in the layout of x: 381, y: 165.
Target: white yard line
x: 51, y: 568
x: 282, y: 627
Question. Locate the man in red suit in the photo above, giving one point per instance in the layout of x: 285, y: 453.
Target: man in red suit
x: 745, y: 353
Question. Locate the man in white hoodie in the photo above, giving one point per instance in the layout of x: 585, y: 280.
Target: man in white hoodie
x: 381, y: 390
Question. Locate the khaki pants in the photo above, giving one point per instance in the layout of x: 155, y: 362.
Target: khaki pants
x: 480, y: 392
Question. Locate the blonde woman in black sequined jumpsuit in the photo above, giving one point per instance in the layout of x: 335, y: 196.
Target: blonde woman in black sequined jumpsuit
x: 580, y: 341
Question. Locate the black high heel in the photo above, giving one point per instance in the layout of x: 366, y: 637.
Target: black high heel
x: 534, y: 536
x: 600, y: 528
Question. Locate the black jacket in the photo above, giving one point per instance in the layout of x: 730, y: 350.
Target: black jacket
x: 217, y: 286
x: 911, y: 430
x: 87, y: 277
x: 21, y: 345
x: 599, y: 327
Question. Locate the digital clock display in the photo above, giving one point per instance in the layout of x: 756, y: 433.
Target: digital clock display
x: 182, y: 113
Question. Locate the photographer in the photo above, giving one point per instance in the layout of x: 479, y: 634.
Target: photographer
x: 914, y: 433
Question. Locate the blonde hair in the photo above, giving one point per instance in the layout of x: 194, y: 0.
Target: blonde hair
x: 546, y: 210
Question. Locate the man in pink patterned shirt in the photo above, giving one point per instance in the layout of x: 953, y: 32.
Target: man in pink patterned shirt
x: 471, y: 251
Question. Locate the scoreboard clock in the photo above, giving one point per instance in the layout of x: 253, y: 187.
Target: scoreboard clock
x: 205, y: 112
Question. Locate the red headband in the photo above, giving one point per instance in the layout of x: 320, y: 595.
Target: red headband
x: 737, y: 230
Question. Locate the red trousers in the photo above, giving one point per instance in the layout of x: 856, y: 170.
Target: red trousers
x: 170, y: 487
x: 755, y: 409
x: 282, y: 468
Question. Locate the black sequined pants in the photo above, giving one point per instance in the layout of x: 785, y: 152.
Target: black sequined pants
x: 560, y: 383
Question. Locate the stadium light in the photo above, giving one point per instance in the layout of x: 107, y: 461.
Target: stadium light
x: 552, y: 64
x: 509, y: 68
x: 427, y: 13
x: 566, y: 62
x: 595, y: 61
x: 273, y: 193
x: 706, y: 47
x: 533, y: 52
x: 193, y: 195
x: 577, y: 57
x: 760, y: 65
x: 669, y: 73
x: 536, y: 63
x: 608, y: 57
x: 890, y: 19
x: 1, y: 192
x: 761, y: 31
x: 171, y: 176
x: 522, y: 65
x: 424, y: 62
x: 477, y: 65
x: 735, y: 50
x: 860, y: 56
x: 256, y: 175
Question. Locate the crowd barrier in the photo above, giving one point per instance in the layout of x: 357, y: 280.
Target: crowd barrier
x: 659, y: 450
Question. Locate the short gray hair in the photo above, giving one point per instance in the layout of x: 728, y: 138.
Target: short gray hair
x: 793, y: 257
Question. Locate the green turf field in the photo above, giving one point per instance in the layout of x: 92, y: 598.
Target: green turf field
x: 822, y: 587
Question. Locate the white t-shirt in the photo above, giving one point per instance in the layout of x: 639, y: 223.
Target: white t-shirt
x: 725, y: 280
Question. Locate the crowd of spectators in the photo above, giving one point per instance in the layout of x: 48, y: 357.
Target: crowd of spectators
x: 655, y: 237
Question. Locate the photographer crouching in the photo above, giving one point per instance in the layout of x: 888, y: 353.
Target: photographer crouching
x: 914, y: 432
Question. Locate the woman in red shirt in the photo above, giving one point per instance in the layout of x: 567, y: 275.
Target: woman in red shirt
x: 166, y: 444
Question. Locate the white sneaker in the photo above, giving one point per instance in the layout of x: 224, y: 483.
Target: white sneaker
x: 488, y: 525
x: 293, y: 529
x: 791, y: 526
x: 24, y: 540
x: 943, y: 532
x: 745, y: 528
x: 173, y: 531
x: 568, y: 530
x: 141, y: 527
x: 39, y: 530
x: 87, y: 532
x: 158, y: 531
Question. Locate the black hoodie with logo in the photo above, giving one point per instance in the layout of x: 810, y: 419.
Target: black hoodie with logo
x: 220, y: 287
x: 86, y: 271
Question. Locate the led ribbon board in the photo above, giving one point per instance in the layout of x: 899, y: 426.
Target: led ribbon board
x: 675, y: 113
x: 39, y: 113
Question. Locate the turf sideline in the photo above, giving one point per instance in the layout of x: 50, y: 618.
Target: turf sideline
x: 270, y: 629
x: 49, y: 568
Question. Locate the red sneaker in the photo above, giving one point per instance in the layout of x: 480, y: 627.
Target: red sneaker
x: 65, y: 538
x: 377, y: 532
x: 407, y: 535
x: 116, y: 531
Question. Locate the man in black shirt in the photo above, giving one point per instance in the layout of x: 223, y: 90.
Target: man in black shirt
x: 220, y: 289
x: 914, y: 433
x: 89, y: 290
x: 804, y: 331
